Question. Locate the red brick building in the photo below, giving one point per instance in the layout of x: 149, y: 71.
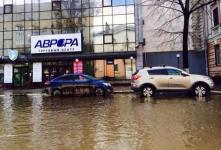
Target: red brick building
x: 214, y: 40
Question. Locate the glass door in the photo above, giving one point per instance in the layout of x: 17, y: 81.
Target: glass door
x: 20, y: 77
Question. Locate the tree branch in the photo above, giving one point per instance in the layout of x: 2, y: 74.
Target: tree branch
x: 171, y: 8
x: 181, y: 5
x: 162, y: 31
x: 200, y: 6
x: 170, y: 21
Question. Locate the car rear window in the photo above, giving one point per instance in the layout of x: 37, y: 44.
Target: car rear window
x: 157, y: 72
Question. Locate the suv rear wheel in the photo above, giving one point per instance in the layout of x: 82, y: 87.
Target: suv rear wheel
x: 147, y: 91
x: 200, y: 90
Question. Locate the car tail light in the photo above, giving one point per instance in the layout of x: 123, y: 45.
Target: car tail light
x: 47, y: 83
x: 135, y: 77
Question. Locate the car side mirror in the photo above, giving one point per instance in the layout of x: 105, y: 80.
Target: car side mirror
x: 184, y: 74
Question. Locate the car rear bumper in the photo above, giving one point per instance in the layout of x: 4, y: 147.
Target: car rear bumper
x: 134, y: 87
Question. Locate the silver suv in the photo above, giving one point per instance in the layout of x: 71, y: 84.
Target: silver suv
x: 150, y: 80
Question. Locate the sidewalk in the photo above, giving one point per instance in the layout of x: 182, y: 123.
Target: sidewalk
x: 118, y: 88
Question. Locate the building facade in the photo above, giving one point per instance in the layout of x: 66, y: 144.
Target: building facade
x: 108, y: 37
x: 162, y: 36
x: 212, y: 18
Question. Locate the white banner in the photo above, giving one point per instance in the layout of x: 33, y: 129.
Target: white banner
x: 8, y: 73
x: 56, y: 43
x: 37, y: 72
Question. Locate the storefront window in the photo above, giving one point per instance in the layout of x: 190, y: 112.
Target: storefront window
x: 130, y: 67
x: 1, y: 7
x: 8, y: 9
x: 120, y: 34
x: 46, y: 5
x: 119, y: 69
x: 85, y: 3
x: 120, y: 47
x: 98, y: 48
x: 107, y: 26
x: 18, y: 6
x: 51, y: 70
x: 108, y: 47
x: 120, y: 10
x: 7, y: 44
x: 99, y: 68
x: 18, y: 39
x: 28, y: 5
x: 107, y: 2
x: 96, y: 3
x: 118, y: 2
x: 1, y: 74
x: 1, y: 27
x: 1, y: 41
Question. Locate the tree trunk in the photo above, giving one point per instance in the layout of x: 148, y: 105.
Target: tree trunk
x: 185, y: 42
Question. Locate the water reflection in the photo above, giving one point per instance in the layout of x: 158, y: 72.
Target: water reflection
x: 124, y: 122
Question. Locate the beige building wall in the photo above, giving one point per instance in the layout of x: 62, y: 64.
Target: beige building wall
x: 160, y: 41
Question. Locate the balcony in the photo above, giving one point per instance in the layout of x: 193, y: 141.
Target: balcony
x: 215, y: 31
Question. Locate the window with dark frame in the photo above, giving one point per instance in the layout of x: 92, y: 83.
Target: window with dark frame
x: 56, y: 5
x: 215, y: 17
x: 107, y: 3
x: 108, y: 38
x: 173, y: 72
x: 217, y: 55
x: 116, y: 68
x: 158, y: 72
x: 8, y: 9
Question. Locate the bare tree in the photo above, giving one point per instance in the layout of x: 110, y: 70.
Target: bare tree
x: 182, y: 9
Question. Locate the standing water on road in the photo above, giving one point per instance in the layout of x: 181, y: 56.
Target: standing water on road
x: 120, y: 122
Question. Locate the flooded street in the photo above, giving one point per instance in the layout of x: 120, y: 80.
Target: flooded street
x: 120, y: 122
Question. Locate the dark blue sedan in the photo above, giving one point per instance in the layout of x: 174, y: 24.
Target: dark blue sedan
x: 77, y: 84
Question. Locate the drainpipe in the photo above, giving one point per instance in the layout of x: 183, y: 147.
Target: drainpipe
x: 205, y: 36
x: 139, y: 33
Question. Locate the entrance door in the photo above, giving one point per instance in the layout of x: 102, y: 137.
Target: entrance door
x: 110, y: 69
x: 20, y: 76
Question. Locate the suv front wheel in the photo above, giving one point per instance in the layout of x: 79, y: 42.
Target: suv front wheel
x: 200, y: 90
x: 147, y: 91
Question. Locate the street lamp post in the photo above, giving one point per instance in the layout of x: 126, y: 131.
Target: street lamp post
x: 131, y: 63
x: 178, y: 60
x: 76, y: 60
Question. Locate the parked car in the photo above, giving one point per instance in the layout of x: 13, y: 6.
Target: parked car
x: 75, y: 84
x: 148, y: 81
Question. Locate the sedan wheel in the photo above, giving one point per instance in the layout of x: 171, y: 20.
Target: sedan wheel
x: 147, y: 91
x: 56, y: 93
x: 200, y: 90
x: 99, y: 92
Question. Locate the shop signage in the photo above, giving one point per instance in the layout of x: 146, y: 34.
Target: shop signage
x: 56, y: 43
x: 77, y: 67
x: 12, y: 54
x: 8, y: 73
x: 37, y: 72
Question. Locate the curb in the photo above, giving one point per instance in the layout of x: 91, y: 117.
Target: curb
x: 216, y: 92
x: 115, y: 92
x: 125, y: 91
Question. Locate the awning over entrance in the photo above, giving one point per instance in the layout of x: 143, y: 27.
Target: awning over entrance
x: 81, y: 56
x: 71, y: 56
